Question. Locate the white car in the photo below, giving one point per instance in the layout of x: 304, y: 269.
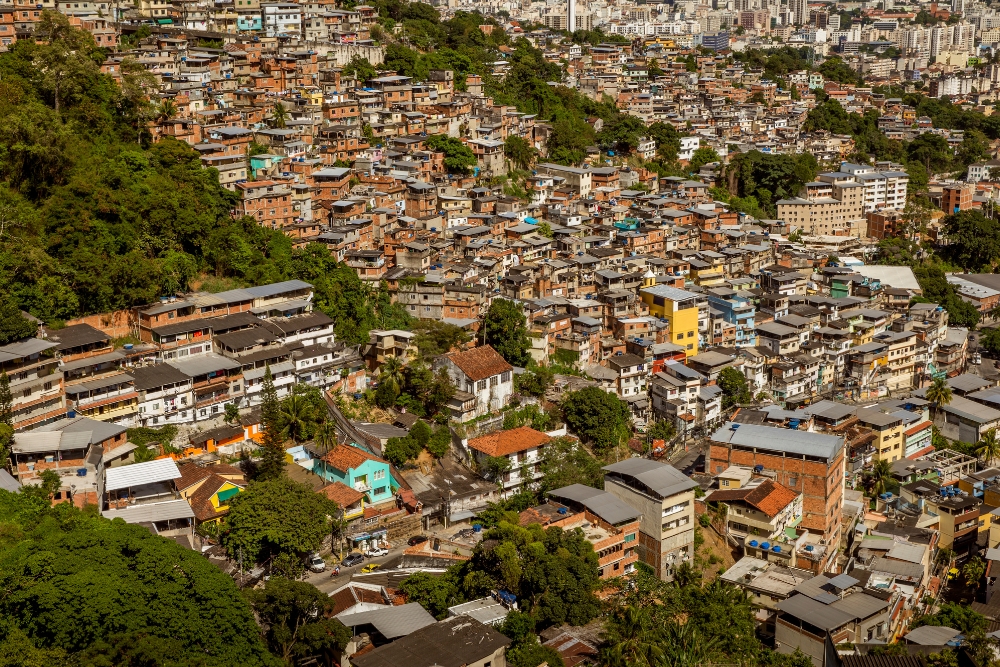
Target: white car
x: 315, y: 563
x: 378, y: 551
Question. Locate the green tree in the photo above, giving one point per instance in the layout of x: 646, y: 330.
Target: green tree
x: 989, y: 340
x: 435, y: 594
x: 734, y: 387
x: 65, y: 58
x: 565, y: 462
x: 974, y: 240
x: 939, y: 393
x: 632, y: 640
x: 988, y: 447
x: 703, y: 156
x: 272, y: 460
x: 535, y: 381
x: 13, y: 325
x: 232, y: 413
x: 360, y: 67
x: 597, y: 417
x: 661, y: 430
x: 880, y: 476
x: 519, y: 151
x: 295, y: 619
x: 494, y: 467
x: 398, y: 451
x: 279, y: 115
x: 435, y: 337
x: 78, y: 584
x: 458, y: 158
x: 275, y: 517
x: 421, y: 432
x: 505, y: 329
x: 297, y: 417
x: 440, y: 442
x: 953, y: 615
x: 973, y: 571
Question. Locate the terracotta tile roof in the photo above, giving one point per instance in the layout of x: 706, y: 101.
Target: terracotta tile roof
x: 192, y: 473
x: 502, y: 443
x: 349, y: 596
x: 346, y: 457
x: 769, y: 497
x: 201, y: 500
x: 480, y: 363
x: 341, y: 494
x: 918, y: 428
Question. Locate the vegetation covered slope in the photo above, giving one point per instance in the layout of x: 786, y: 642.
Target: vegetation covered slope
x: 94, y: 218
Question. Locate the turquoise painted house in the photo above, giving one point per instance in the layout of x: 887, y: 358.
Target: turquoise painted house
x: 359, y: 470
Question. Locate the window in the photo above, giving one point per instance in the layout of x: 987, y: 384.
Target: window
x: 505, y: 377
x: 630, y: 538
x: 379, y: 491
x: 378, y: 474
x: 481, y: 385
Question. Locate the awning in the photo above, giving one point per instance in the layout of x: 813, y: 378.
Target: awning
x: 460, y: 516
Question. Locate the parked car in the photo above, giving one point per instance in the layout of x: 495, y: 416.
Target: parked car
x: 378, y: 551
x: 417, y: 539
x: 315, y: 563
x: 353, y: 559
x: 371, y: 567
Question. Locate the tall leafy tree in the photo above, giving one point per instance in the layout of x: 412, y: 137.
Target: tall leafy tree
x: 102, y: 592
x: 295, y: 619
x: 272, y: 460
x: 458, y: 158
x: 988, y: 447
x: 939, y: 393
x: 274, y: 518
x: 505, y: 329
x: 13, y: 325
x: 597, y: 417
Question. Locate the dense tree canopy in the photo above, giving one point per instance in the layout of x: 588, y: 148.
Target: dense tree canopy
x: 598, y: 417
x: 94, y: 218
x: 505, y: 328
x: 81, y: 586
x: 276, y: 517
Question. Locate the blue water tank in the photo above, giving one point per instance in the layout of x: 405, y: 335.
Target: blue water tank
x: 562, y: 510
x: 765, y: 546
x: 793, y: 424
x: 477, y: 528
x: 809, y: 547
x: 754, y: 543
x: 81, y: 472
x: 776, y: 549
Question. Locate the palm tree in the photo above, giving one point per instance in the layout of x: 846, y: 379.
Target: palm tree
x: 391, y: 371
x: 686, y: 647
x: 632, y: 640
x: 988, y: 447
x: 880, y: 475
x: 166, y: 110
x: 279, y: 115
x: 325, y: 436
x: 939, y: 393
x: 973, y: 571
x: 296, y: 417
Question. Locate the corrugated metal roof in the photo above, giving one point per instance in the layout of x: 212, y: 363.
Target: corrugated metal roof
x: 391, y: 622
x: 38, y: 442
x: 139, y: 474
x: 823, y: 616
x: 786, y: 440
x: 171, y: 509
x: 663, y: 479
x: 603, y: 504
x: 204, y: 363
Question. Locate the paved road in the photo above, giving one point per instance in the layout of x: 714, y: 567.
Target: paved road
x: 328, y: 583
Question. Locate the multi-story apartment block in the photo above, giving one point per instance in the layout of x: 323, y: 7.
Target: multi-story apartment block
x: 522, y: 447
x: 608, y: 523
x: 36, y: 382
x: 810, y: 463
x: 665, y: 499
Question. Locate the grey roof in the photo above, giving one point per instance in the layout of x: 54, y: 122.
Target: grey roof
x: 24, y: 348
x: 785, y: 440
x: 603, y: 504
x: 967, y: 382
x: 110, y: 357
x: 96, y: 430
x: 662, y: 479
x: 391, y: 622
x: 454, y: 642
x: 8, y: 483
x: 150, y: 377
x: 931, y: 635
x: 898, y: 568
x: 910, y: 553
x: 823, y: 616
x: 171, y: 509
x: 139, y: 474
x: 204, y: 363
x: 843, y: 581
x: 99, y: 383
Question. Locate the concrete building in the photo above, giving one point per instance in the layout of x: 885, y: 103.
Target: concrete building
x: 811, y: 463
x: 665, y: 498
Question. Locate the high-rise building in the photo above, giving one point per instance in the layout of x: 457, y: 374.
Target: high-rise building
x: 800, y: 11
x: 571, y: 15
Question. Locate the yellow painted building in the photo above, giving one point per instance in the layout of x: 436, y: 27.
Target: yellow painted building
x: 889, y: 442
x: 679, y: 307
